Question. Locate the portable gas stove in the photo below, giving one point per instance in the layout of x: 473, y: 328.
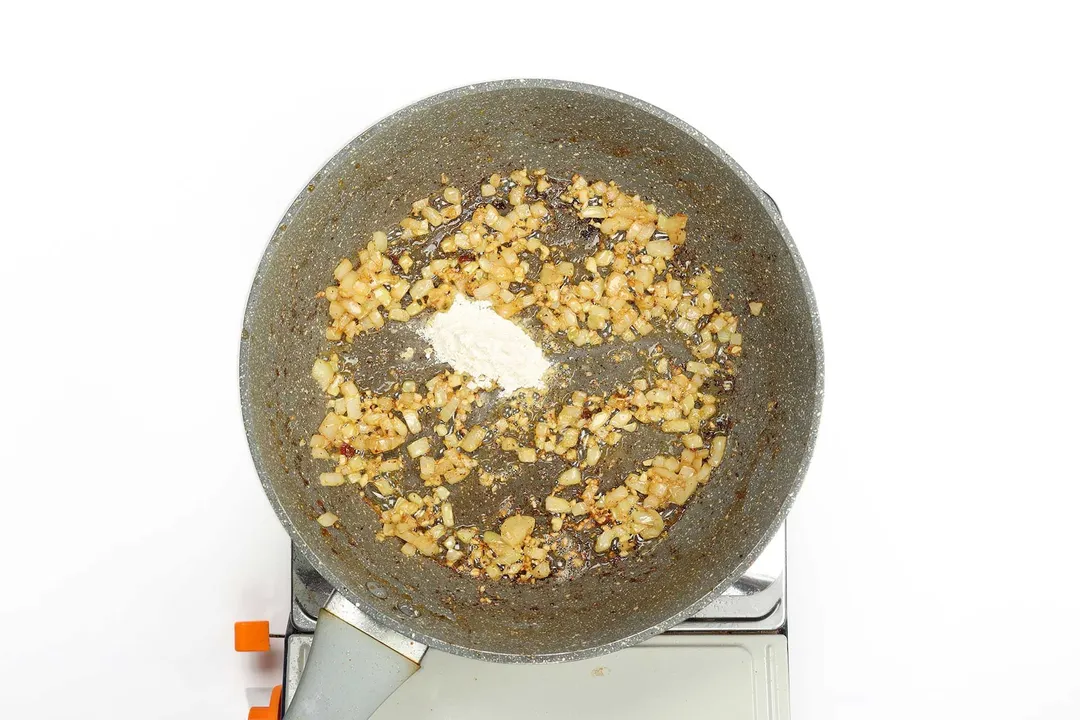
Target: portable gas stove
x: 728, y: 661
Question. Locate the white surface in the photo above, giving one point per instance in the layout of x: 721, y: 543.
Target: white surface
x: 925, y: 156
x: 475, y: 339
x: 738, y: 677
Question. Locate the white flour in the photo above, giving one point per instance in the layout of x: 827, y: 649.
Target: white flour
x: 475, y: 340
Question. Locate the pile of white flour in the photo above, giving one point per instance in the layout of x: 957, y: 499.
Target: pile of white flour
x: 474, y: 339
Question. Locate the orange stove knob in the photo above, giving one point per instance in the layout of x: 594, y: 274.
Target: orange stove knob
x: 252, y: 636
x: 271, y: 711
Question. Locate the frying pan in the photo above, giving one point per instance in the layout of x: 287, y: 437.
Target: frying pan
x: 773, y: 409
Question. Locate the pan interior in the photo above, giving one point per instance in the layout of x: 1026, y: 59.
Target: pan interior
x: 468, y: 135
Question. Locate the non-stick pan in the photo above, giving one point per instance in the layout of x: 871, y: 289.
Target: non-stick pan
x: 773, y: 409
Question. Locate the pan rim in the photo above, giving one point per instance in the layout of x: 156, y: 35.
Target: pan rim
x: 247, y: 400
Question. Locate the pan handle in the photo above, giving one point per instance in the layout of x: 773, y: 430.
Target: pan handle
x: 353, y: 666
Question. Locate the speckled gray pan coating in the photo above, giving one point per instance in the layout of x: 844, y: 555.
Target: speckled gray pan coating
x: 469, y: 133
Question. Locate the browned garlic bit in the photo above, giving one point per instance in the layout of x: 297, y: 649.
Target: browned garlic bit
x: 623, y: 291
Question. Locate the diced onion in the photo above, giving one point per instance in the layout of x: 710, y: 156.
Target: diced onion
x: 660, y: 248
x: 419, y: 447
x: 323, y: 372
x: 555, y: 504
x: 571, y: 476
x: 473, y: 439
x: 331, y: 479
x: 625, y: 290
x: 515, y: 528
x: 716, y: 450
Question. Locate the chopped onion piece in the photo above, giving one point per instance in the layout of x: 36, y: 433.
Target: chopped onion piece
x: 716, y: 450
x: 331, y: 479
x: 515, y: 528
x: 556, y: 504
x: 571, y: 476
x: 419, y: 447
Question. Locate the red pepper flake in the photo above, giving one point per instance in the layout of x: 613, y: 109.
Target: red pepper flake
x: 347, y: 450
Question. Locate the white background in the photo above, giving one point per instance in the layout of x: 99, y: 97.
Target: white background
x: 925, y: 158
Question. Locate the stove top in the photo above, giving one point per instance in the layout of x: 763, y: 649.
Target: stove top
x: 730, y: 659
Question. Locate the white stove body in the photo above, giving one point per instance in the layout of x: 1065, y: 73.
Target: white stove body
x: 728, y: 661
